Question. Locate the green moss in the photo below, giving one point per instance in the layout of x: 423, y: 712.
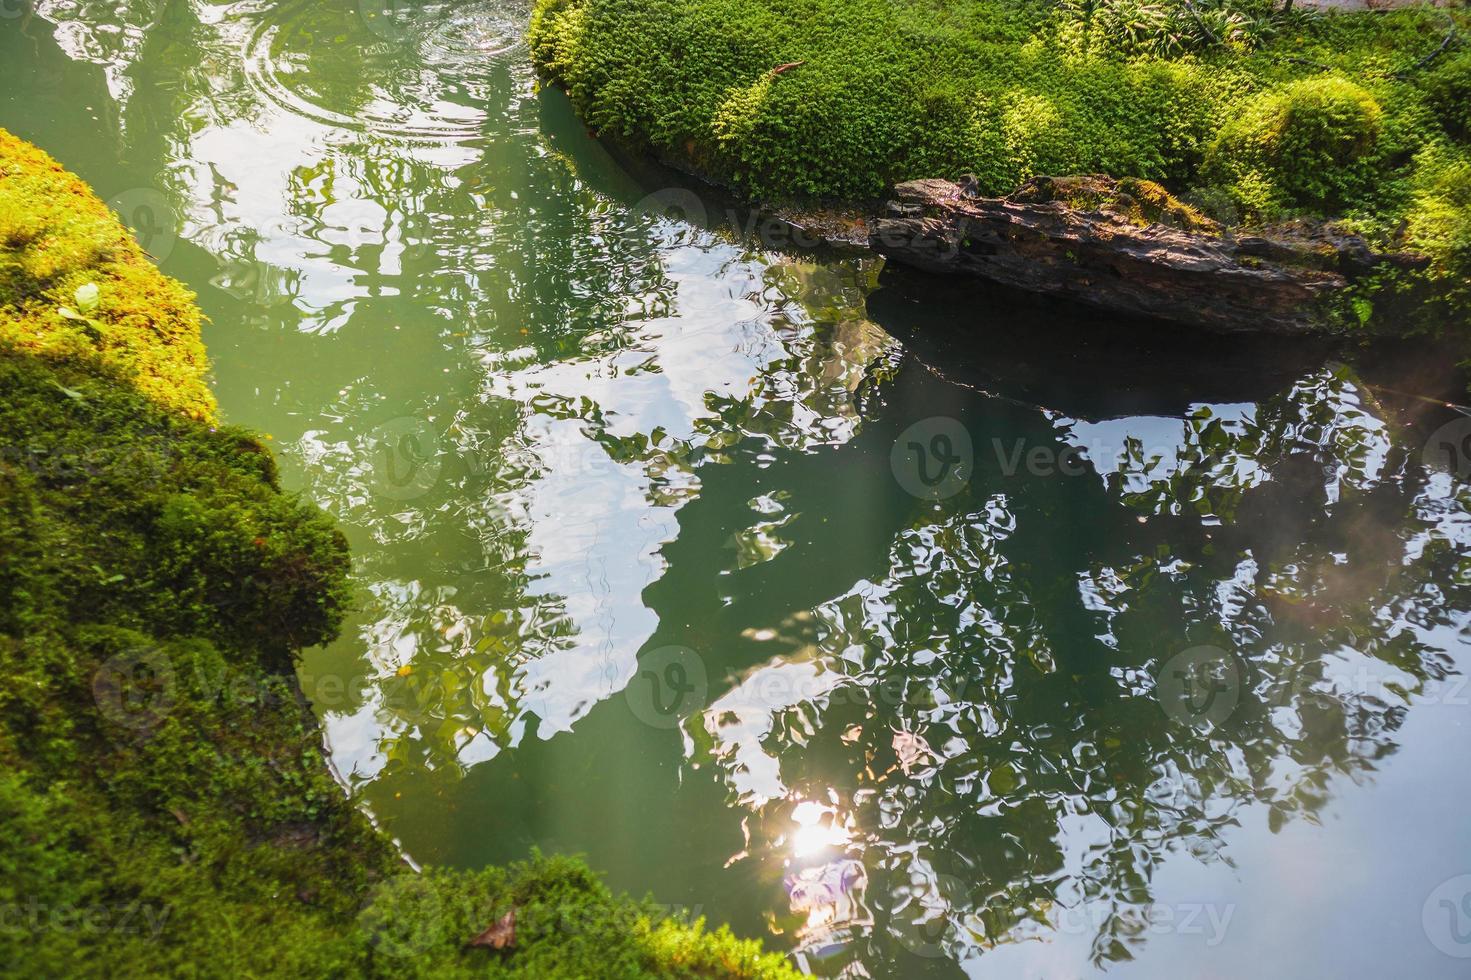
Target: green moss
x: 1142, y: 202
x: 157, y: 736
x: 1278, y: 116
x: 167, y: 805
x: 56, y: 236
x: 566, y: 925
x: 1299, y: 146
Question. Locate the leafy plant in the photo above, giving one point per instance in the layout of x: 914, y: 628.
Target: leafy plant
x: 87, y: 297
x: 1165, y: 29
x: 1440, y: 223
x: 1447, y: 86
x: 1298, y: 146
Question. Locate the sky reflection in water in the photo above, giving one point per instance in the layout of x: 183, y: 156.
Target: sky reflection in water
x: 639, y: 577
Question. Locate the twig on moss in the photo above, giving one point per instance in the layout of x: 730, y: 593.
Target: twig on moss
x: 1445, y: 42
x: 1301, y: 61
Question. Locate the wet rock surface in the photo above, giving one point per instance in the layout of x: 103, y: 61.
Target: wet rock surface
x: 1128, y: 247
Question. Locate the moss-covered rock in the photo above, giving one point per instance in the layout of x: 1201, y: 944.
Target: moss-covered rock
x: 167, y: 806
x: 1254, y: 115
x: 1140, y: 202
x: 56, y: 237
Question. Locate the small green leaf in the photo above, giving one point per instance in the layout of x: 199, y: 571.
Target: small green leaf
x: 87, y: 296
x: 70, y: 313
x: 1363, y: 309
x: 68, y: 392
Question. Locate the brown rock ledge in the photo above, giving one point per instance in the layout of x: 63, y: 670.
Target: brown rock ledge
x: 1128, y: 247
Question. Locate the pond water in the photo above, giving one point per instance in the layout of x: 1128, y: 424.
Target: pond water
x: 921, y: 634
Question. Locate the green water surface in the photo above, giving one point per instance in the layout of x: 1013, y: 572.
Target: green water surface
x: 920, y: 633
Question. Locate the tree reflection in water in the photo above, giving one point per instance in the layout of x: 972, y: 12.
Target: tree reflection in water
x: 564, y: 434
x: 979, y: 722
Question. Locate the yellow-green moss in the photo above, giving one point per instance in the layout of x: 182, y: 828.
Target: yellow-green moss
x: 55, y: 237
x: 1252, y: 113
x: 1141, y: 202
x: 1298, y: 145
x: 166, y: 804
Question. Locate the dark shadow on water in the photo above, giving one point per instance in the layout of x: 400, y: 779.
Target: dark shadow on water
x: 1083, y: 362
x: 656, y: 189
x: 1093, y: 365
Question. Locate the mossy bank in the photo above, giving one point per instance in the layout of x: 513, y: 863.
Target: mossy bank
x: 1250, y: 114
x: 167, y: 805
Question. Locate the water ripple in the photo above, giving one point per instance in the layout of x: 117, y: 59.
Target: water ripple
x: 419, y: 73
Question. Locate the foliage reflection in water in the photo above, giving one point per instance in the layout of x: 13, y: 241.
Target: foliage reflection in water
x: 642, y: 575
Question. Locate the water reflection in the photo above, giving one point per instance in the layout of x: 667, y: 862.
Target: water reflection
x: 1179, y: 589
x: 985, y: 708
x: 423, y: 71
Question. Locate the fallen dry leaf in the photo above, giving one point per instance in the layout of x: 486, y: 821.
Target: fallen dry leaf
x: 500, y: 934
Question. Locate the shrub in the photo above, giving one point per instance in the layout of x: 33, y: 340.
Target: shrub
x: 1298, y: 146
x: 1448, y: 91
x: 1440, y: 223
